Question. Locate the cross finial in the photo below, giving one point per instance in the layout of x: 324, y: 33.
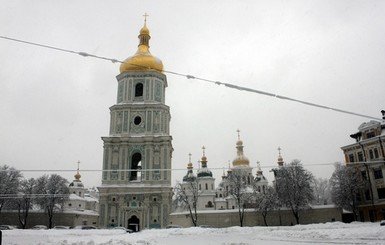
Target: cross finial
x: 78, y: 164
x: 203, y: 148
x: 279, y: 150
x: 145, y: 17
x: 239, y: 136
x: 189, y: 157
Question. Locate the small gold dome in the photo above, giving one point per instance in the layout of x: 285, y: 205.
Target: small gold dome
x: 77, y: 176
x: 142, y: 60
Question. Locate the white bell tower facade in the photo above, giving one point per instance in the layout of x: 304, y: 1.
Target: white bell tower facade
x: 136, y: 187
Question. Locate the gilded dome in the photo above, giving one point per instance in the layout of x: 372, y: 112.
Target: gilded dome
x: 142, y: 60
x: 240, y: 160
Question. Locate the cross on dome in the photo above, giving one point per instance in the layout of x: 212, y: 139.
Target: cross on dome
x: 145, y: 17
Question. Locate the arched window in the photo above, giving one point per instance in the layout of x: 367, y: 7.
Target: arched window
x: 139, y: 90
x: 135, y: 166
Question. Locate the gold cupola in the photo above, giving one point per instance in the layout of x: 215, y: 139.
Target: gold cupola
x: 240, y: 160
x: 142, y: 60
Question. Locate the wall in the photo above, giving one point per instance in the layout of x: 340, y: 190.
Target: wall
x: 227, y: 218
x: 40, y: 218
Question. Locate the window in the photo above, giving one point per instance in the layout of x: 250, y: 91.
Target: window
x: 370, y: 135
x: 137, y: 120
x: 351, y: 158
x: 139, y: 90
x: 377, y: 173
x: 363, y: 173
x: 360, y: 156
x: 371, y: 155
x: 206, y: 186
x: 210, y: 204
x: 381, y: 193
x: 376, y: 153
x: 200, y: 187
x: 367, y: 195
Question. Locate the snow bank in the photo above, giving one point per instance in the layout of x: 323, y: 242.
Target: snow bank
x: 329, y: 233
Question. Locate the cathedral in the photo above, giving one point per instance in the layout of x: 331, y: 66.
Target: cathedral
x: 220, y: 198
x: 136, y: 187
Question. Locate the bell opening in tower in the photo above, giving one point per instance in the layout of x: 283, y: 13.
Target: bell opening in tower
x: 136, y: 166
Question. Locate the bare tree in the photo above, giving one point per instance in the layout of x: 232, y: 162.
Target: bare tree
x: 322, y: 191
x: 346, y: 183
x: 240, y: 191
x: 9, y: 183
x: 294, y: 184
x: 24, y: 201
x: 52, y: 191
x: 266, y: 202
x: 186, y: 196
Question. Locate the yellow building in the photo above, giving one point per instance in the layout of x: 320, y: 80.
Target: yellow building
x: 368, y: 154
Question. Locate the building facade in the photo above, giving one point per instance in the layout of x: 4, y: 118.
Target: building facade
x: 367, y: 154
x: 136, y: 181
x: 220, y: 197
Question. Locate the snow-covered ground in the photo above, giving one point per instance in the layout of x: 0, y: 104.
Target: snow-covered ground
x: 329, y: 233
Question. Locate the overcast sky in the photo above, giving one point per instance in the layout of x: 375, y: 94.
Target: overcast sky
x: 55, y: 106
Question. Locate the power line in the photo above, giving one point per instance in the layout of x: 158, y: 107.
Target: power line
x: 164, y: 169
x: 229, y: 85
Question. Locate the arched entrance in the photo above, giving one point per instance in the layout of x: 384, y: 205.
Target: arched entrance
x: 133, y: 223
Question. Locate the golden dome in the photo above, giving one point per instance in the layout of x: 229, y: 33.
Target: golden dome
x: 240, y: 160
x: 142, y: 60
x: 77, y: 176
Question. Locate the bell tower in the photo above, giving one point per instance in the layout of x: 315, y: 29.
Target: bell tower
x: 136, y: 187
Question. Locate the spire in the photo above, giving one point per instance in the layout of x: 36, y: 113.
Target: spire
x: 204, y: 158
x: 77, y: 175
x: 240, y: 159
x: 190, y: 175
x: 144, y: 34
x: 280, y: 159
x: 204, y: 171
x: 259, y: 170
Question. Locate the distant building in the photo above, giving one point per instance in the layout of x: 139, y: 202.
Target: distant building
x: 136, y: 187
x: 81, y: 199
x: 219, y: 198
x: 368, y: 154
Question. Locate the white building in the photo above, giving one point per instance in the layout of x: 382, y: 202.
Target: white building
x: 136, y: 187
x: 220, y: 198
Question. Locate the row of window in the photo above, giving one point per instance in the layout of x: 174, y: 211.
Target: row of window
x: 373, y: 154
x: 377, y: 172
x: 380, y: 193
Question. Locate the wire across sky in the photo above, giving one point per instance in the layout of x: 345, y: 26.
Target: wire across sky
x: 228, y: 85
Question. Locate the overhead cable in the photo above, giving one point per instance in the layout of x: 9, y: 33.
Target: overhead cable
x: 229, y: 85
